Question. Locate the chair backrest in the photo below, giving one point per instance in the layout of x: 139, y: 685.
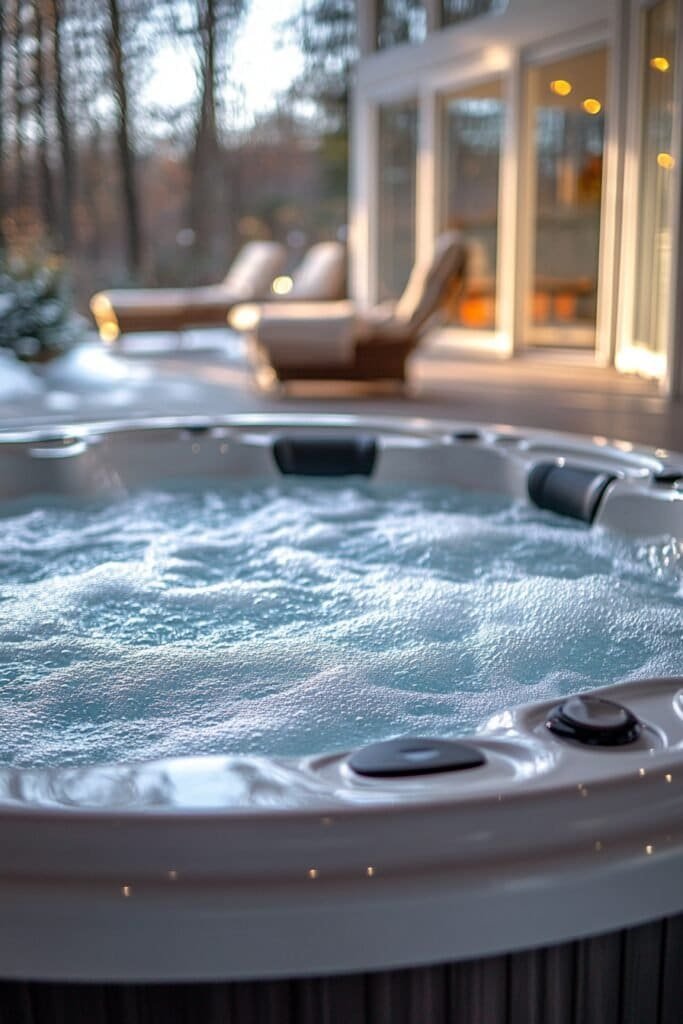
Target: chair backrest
x: 321, y: 274
x: 253, y: 270
x: 431, y: 284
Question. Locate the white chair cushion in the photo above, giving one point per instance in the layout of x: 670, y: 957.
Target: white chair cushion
x: 310, y: 333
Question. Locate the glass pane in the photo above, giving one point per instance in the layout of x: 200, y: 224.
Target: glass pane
x: 400, y: 21
x: 455, y: 11
x: 397, y: 170
x: 472, y: 136
x: 569, y: 117
x: 655, y: 193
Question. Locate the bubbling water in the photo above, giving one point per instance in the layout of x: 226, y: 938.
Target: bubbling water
x: 298, y: 617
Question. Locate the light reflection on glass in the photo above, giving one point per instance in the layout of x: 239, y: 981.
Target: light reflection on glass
x: 400, y: 21
x: 568, y: 157
x: 666, y: 161
x: 473, y: 122
x: 592, y: 106
x: 655, y: 192
x: 397, y: 194
x: 561, y: 87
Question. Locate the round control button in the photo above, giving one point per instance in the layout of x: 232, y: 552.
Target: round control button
x: 594, y: 721
x: 414, y: 756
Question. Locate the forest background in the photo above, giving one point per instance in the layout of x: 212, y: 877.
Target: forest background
x: 107, y: 172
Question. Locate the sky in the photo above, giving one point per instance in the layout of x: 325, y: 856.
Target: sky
x: 262, y: 45
x: 265, y: 62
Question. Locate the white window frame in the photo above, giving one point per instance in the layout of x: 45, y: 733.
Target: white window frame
x: 455, y: 58
x: 630, y: 356
x: 501, y: 338
x: 528, y: 336
x: 429, y: 90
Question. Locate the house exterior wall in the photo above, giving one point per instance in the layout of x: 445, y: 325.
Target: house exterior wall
x: 504, y: 46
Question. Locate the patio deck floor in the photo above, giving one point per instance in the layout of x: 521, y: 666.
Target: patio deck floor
x: 560, y: 392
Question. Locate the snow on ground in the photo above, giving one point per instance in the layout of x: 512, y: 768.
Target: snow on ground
x: 150, y: 375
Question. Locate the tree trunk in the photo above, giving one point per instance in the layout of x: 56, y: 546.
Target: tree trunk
x: 66, y: 150
x: 20, y: 177
x: 3, y: 166
x: 207, y: 196
x: 46, y: 185
x: 123, y: 138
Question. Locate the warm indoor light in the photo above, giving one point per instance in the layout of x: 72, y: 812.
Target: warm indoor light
x: 109, y: 331
x: 660, y: 64
x: 561, y: 87
x: 101, y: 306
x: 665, y: 160
x: 244, y: 317
x: 282, y: 285
x: 592, y: 106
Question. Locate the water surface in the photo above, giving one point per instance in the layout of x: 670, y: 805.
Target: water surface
x: 295, y: 617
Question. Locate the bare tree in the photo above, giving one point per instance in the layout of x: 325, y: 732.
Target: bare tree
x: 40, y: 88
x: 124, y: 137
x: 3, y: 161
x: 209, y: 201
x: 20, y: 176
x: 327, y: 34
x: 55, y: 23
x: 326, y: 31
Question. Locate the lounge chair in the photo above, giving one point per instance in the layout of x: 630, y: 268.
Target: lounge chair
x: 339, y: 341
x: 321, y: 275
x: 171, y: 309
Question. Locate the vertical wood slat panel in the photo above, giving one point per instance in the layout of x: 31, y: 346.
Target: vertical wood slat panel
x: 479, y: 991
x: 641, y: 969
x: 633, y: 976
x: 15, y: 1004
x: 254, y: 1002
x: 388, y: 1001
x: 123, y: 1003
x: 560, y: 983
x: 598, y: 980
x: 671, y: 979
x: 542, y: 984
x: 527, y: 989
x: 330, y: 1000
x: 428, y: 995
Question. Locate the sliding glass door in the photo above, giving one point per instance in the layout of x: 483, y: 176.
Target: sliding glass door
x: 473, y: 123
x: 567, y: 123
x: 396, y: 197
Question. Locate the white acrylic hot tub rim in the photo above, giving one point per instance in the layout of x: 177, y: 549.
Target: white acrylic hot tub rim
x: 241, y: 867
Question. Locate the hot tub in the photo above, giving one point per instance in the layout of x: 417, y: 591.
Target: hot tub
x: 529, y: 871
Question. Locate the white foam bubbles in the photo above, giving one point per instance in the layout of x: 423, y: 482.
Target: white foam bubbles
x: 295, y: 618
